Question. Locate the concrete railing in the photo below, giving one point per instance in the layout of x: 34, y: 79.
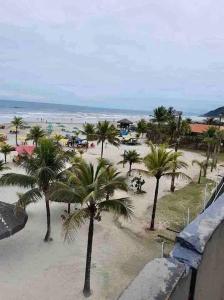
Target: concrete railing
x: 195, y: 268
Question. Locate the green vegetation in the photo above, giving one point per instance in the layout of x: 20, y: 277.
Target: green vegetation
x: 18, y: 123
x: 42, y: 169
x: 106, y: 132
x: 161, y: 162
x: 141, y: 127
x: 172, y: 208
x: 89, y: 131
x: 92, y: 188
x: 131, y: 157
x: 36, y: 132
x: 6, y: 149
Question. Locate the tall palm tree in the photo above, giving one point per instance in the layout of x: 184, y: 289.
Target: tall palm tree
x: 210, y: 138
x: 202, y: 166
x: 18, y: 123
x: 36, y: 132
x: 42, y: 169
x: 131, y: 157
x: 106, y: 132
x: 92, y: 189
x: 6, y: 149
x: 160, y: 162
x: 89, y: 131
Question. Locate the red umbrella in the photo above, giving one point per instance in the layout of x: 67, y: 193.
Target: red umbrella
x: 26, y: 149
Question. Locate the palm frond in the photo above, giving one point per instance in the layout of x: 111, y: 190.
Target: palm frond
x: 120, y: 207
x: 21, y: 180
x: 65, y: 195
x: 73, y: 222
x: 178, y: 175
x: 29, y: 197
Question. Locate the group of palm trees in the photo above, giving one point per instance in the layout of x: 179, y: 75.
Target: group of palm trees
x: 87, y: 189
x: 91, y: 188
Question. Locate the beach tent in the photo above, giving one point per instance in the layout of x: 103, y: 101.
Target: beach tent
x: 26, y: 149
x: 12, y: 219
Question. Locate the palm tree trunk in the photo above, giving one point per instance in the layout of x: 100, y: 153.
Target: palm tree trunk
x: 154, y: 205
x: 129, y: 172
x: 199, y: 177
x: 48, y: 233
x: 16, y: 136
x: 69, y: 208
x: 5, y: 158
x: 102, y: 149
x: 213, y: 158
x: 172, y: 186
x: 207, y: 160
x: 86, y: 289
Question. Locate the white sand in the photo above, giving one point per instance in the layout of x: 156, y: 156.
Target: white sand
x: 32, y: 269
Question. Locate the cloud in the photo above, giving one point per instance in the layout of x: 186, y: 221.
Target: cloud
x: 113, y: 53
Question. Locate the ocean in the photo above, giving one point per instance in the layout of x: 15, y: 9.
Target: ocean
x: 64, y: 113
x: 34, y: 112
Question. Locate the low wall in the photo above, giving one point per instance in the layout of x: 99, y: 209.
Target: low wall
x: 195, y: 268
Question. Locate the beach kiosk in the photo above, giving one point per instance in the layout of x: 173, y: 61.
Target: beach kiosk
x: 124, y: 125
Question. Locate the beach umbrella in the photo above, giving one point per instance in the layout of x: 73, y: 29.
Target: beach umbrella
x: 12, y: 219
x: 63, y: 142
x: 22, y: 138
x: 25, y: 149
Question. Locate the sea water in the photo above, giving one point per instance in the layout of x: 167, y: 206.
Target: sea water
x: 64, y: 113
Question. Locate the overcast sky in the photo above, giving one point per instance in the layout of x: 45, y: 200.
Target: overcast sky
x: 113, y: 53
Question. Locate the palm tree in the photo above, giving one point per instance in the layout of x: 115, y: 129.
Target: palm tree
x: 36, y: 132
x: 202, y: 166
x: 18, y: 123
x: 160, y: 114
x: 141, y: 127
x: 106, y: 132
x: 219, y: 137
x: 89, y: 131
x: 57, y: 138
x: 210, y: 138
x: 160, y: 162
x: 42, y: 169
x: 6, y: 149
x: 131, y: 157
x: 93, y: 187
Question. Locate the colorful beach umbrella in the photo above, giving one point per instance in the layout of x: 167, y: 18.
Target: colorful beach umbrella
x: 63, y: 142
x: 25, y: 149
x: 12, y: 219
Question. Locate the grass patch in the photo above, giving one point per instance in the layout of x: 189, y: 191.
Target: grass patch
x: 173, y: 208
x: 221, y: 157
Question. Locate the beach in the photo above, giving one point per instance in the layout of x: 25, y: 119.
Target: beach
x: 32, y: 269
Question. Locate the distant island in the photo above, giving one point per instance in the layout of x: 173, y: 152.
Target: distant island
x: 215, y: 113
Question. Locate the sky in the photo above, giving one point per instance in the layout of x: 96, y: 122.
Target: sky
x: 132, y: 54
